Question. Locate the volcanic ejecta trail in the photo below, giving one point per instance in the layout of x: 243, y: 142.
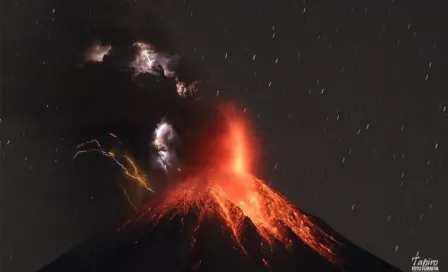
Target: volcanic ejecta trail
x: 225, y: 188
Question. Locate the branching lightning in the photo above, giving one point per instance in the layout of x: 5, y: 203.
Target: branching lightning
x: 131, y: 171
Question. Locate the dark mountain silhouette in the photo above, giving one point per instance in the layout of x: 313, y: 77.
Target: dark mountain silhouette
x: 168, y: 247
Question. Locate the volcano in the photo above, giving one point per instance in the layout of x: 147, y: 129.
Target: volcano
x: 217, y: 216
x: 167, y: 247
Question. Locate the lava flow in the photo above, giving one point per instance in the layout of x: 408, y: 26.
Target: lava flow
x: 226, y: 189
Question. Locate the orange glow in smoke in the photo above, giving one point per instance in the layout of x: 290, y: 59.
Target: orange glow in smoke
x: 239, y: 157
x: 231, y: 193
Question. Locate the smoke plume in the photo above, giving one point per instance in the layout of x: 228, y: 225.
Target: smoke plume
x: 165, y: 142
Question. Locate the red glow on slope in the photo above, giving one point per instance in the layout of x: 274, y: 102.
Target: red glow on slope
x: 223, y: 187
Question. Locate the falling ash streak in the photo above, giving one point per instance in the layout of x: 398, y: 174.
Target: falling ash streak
x: 197, y: 266
x: 231, y: 193
x: 266, y: 263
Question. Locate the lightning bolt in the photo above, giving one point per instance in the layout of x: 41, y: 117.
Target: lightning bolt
x: 132, y: 171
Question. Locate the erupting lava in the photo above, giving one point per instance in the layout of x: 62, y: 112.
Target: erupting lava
x: 227, y: 190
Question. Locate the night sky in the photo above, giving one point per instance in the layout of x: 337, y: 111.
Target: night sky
x: 348, y: 98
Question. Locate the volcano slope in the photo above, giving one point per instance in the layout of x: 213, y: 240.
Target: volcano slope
x: 167, y: 246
